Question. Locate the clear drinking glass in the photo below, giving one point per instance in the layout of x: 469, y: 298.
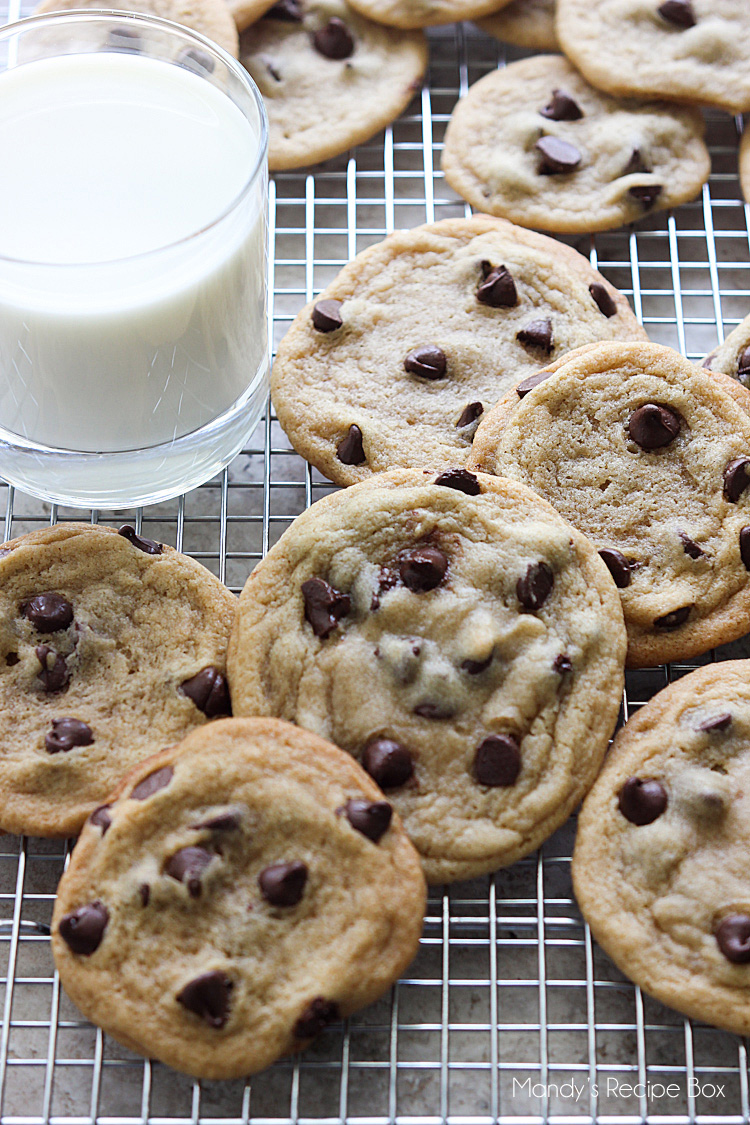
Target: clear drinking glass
x: 130, y: 379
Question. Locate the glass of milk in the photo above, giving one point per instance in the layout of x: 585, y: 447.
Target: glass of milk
x: 133, y: 192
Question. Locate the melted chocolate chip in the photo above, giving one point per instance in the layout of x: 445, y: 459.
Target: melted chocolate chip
x: 11, y: 659
x: 324, y: 606
x: 460, y: 479
x: 743, y: 366
x: 475, y: 667
x: 427, y: 361
x: 145, y: 892
x: 422, y: 569
x: 674, y: 619
x: 326, y: 316
x: 535, y: 586
x: 716, y: 722
x: 148, y: 546
x: 289, y: 11
x: 224, y: 822
x: 48, y: 612
x: 209, y: 691
x: 101, y: 818
x: 350, y: 450
x: 317, y: 1015
x: 54, y: 675
x: 498, y: 290
x: 152, y: 783
x: 67, y: 733
x: 558, y: 156
x: 388, y: 763
x: 497, y: 761
x: 678, y: 12
x: 645, y: 194
x: 641, y: 802
x: 617, y: 565
x: 83, y: 929
x: 527, y: 385
x: 282, y: 884
x: 469, y: 414
x: 689, y: 547
x: 562, y: 664
x: 371, y: 818
x: 334, y: 41
x: 652, y: 426
x: 635, y: 164
x: 736, y: 478
x: 562, y: 107
x: 733, y: 938
x: 187, y: 866
x: 745, y: 546
x: 603, y: 299
x: 207, y: 996
x: 537, y: 334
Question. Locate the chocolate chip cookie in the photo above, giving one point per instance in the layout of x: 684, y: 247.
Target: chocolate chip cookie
x: 526, y: 23
x: 695, y: 51
x: 112, y: 646
x: 395, y: 362
x: 535, y: 143
x: 733, y: 356
x: 663, y: 847
x: 456, y: 636
x: 649, y: 456
x: 425, y: 13
x: 330, y: 78
x: 237, y: 893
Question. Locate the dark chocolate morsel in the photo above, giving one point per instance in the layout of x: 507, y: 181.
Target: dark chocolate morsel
x: 196, y: 60
x: 635, y: 163
x: 733, y: 938
x: 145, y: 892
x: 535, y: 586
x: 469, y: 414
x: 562, y: 664
x: 475, y: 667
x: 717, y: 722
x: 371, y: 818
x: 689, y: 547
x: 209, y: 691
x: 617, y: 565
x: 678, y: 12
x: 460, y: 479
x: 289, y: 11
x: 335, y: 40
x: 152, y: 783
x: 326, y: 315
x: 427, y: 361
x: 282, y: 884
x: 442, y: 710
x: 48, y: 612
x: 83, y: 929
x: 558, y: 156
x: 67, y: 733
x: 207, y: 996
x: 537, y: 334
x: 498, y: 289
x: 530, y: 382
x: 653, y: 426
x: 388, y: 763
x: 645, y: 194
x: 674, y: 619
x: 497, y: 761
x: 148, y: 546
x: 323, y: 606
x: 743, y: 366
x: 641, y: 802
x: 562, y: 107
x: 101, y: 818
x: 317, y: 1015
x: 224, y: 822
x: 745, y: 546
x: 350, y: 450
x: 54, y: 674
x: 736, y: 478
x: 603, y: 299
x: 423, y: 569
x: 187, y: 866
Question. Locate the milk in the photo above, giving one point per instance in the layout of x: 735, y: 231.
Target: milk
x: 120, y: 327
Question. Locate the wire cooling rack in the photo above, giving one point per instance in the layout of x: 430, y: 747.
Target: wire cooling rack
x: 510, y: 1012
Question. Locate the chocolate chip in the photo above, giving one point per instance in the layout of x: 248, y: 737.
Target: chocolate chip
x: 562, y: 664
x: 48, y: 612
x: 209, y: 691
x: 423, y: 569
x: 717, y: 722
x: 497, y: 761
x: 197, y: 61
x: 371, y: 818
x: 635, y: 164
x: 326, y: 315
x: 152, y: 783
x: 617, y: 565
x: 83, y: 929
x: 527, y: 385
x: 558, y: 156
x: 272, y: 69
x: 145, y: 892
x: 645, y: 194
x: 537, y: 334
x: 101, y: 818
x: 224, y: 822
x: 54, y: 674
x: 460, y: 479
x: 148, y: 546
x: 289, y: 11
x: 498, y: 290
x: 653, y: 426
x: 745, y: 546
x: 678, y: 12
x: 674, y: 619
x: 469, y: 414
x: 475, y: 667
x: 11, y: 659
x: 187, y: 865
x: 67, y: 733
x: 733, y: 938
x: 442, y: 710
x: 427, y: 361
x: 736, y: 478
x: 603, y: 299
x: 334, y: 41
x: 562, y: 107
x: 282, y: 884
x: 388, y: 763
x: 689, y: 547
x: 535, y: 586
x: 317, y: 1015
x: 641, y: 802
x: 743, y: 366
x: 323, y: 606
x: 207, y: 996
x: 350, y: 450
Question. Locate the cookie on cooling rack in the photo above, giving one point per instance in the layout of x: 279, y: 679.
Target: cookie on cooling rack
x: 330, y: 78
x: 211, y: 18
x: 455, y: 635
x: 649, y: 456
x: 526, y: 23
x: 733, y: 356
x: 663, y: 847
x: 240, y: 891
x: 695, y: 51
x: 395, y: 362
x: 112, y: 646
x: 425, y: 13
x: 536, y: 144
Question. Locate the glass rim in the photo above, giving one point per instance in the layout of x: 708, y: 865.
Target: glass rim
x: 119, y: 16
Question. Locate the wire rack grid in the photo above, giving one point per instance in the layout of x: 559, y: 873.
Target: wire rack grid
x: 510, y: 1013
